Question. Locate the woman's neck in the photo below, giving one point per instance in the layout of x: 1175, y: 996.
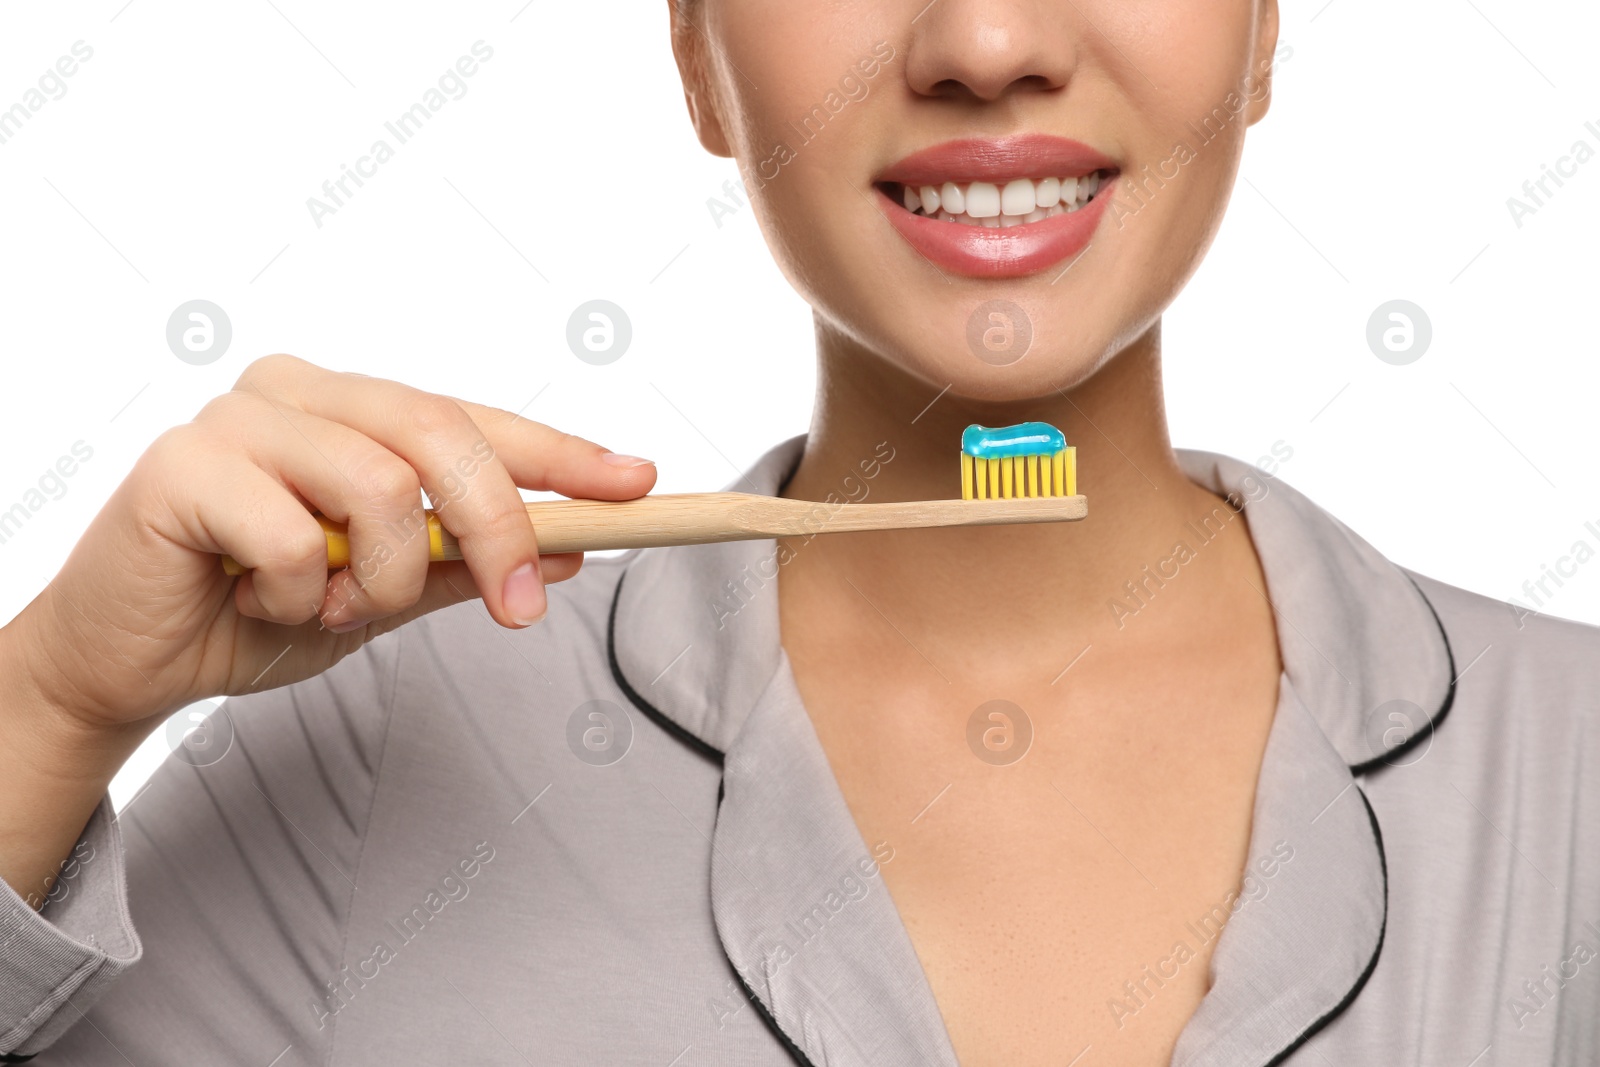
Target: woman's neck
x: 986, y: 579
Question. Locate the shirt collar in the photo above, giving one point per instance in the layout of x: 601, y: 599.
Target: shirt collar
x: 694, y: 641
x: 695, y: 628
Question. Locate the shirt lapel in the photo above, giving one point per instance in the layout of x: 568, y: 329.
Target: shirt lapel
x: 1307, y: 925
x: 796, y: 894
x: 694, y: 629
x: 1355, y: 633
x: 1368, y: 675
x: 801, y: 907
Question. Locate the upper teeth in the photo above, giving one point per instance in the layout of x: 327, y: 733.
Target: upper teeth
x: 1011, y: 203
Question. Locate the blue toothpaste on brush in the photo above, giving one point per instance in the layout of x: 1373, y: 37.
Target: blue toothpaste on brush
x: 1028, y: 459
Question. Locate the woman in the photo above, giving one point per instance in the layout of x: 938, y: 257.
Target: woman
x: 1160, y: 786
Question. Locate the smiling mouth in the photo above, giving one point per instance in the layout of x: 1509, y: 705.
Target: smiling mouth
x: 998, y: 205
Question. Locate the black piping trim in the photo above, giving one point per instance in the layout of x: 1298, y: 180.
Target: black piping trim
x: 798, y: 1056
x: 1388, y: 758
x: 9, y: 1057
x: 652, y: 712
x: 710, y: 752
x: 1372, y: 964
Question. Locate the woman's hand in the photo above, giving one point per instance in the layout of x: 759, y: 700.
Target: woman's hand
x: 142, y: 620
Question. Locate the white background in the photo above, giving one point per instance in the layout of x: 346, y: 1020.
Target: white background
x: 178, y: 163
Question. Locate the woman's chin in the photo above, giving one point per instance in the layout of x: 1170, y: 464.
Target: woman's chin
x: 1037, y: 375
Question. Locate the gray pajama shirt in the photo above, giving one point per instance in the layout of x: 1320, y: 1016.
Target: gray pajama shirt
x: 614, y: 838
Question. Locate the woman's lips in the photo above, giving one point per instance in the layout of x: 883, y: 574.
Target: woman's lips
x: 1011, y: 252
x: 980, y: 159
x: 1003, y: 245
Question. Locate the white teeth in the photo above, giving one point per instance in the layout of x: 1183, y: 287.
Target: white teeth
x: 1017, y: 199
x: 994, y: 205
x: 983, y: 200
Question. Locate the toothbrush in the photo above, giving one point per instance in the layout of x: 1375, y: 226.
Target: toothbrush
x: 1009, y: 475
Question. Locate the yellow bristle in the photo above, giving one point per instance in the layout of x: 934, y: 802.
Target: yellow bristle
x: 1009, y: 477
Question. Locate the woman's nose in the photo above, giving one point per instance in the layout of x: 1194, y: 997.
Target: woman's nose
x: 985, y: 49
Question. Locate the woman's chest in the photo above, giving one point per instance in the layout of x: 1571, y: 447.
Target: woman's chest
x: 1045, y: 931
x: 1063, y: 884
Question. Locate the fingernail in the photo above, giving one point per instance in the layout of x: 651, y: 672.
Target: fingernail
x: 617, y: 459
x: 524, y: 596
x: 346, y: 626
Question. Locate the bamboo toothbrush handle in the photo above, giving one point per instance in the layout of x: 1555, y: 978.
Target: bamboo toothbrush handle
x: 703, y: 518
